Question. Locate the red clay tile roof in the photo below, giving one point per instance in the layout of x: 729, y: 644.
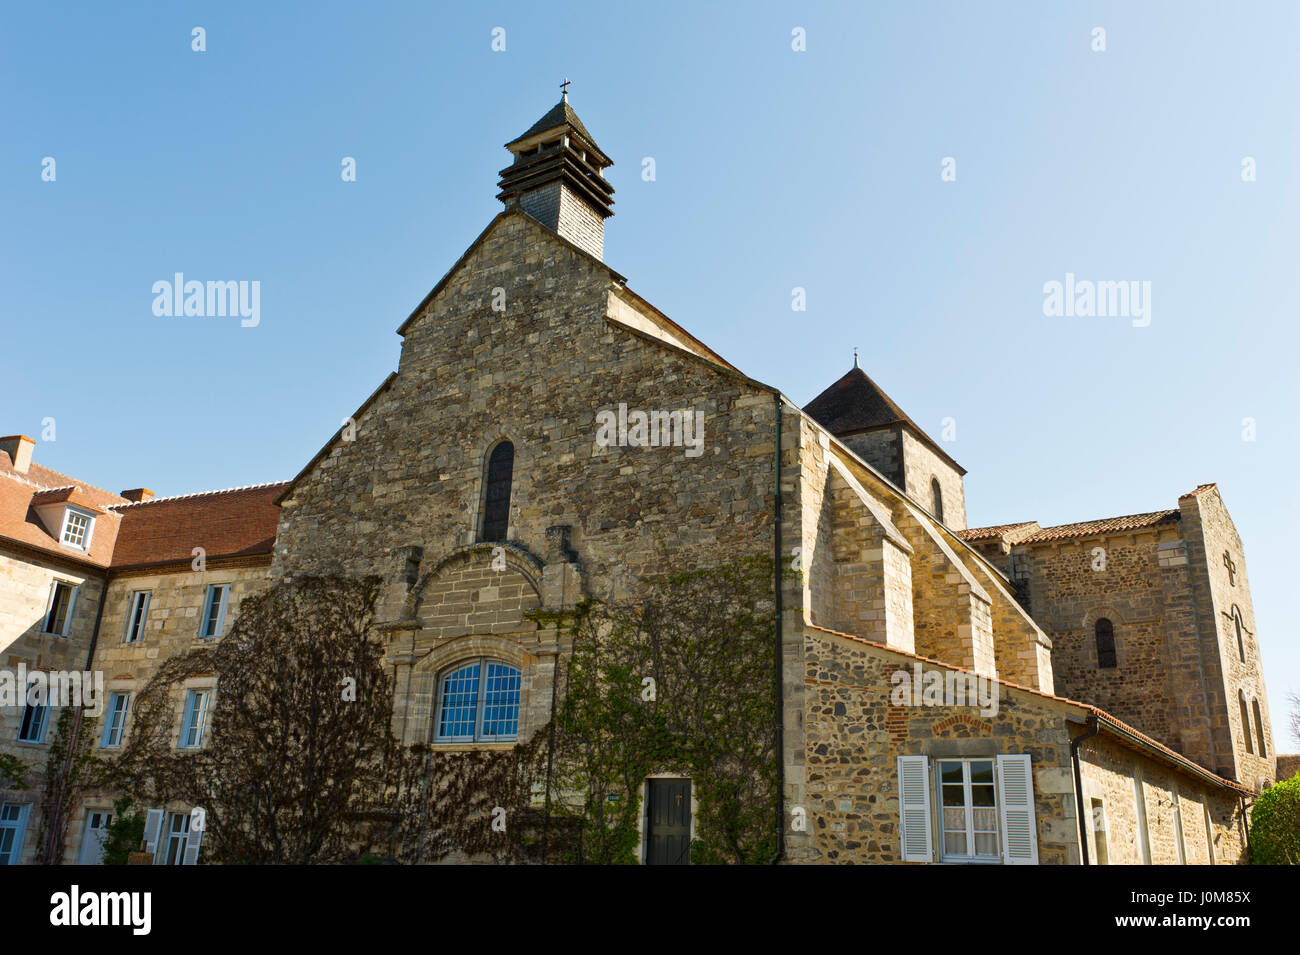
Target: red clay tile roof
x: 1012, y: 532
x: 21, y: 524
x: 1030, y: 533
x: 237, y: 522
x: 1109, y: 525
x: 856, y: 403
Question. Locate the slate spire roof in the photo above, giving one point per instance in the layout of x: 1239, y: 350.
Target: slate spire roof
x: 855, y: 403
x: 561, y: 114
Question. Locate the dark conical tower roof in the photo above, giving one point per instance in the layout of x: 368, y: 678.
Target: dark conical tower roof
x: 855, y: 404
x: 561, y: 114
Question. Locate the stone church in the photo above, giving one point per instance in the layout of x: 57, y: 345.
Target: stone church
x: 1082, y: 694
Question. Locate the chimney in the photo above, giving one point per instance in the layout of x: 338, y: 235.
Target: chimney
x: 558, y: 178
x: 19, y: 447
x: 138, y: 494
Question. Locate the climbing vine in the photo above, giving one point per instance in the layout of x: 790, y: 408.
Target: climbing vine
x: 301, y: 764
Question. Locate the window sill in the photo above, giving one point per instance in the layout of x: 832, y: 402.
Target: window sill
x: 472, y: 747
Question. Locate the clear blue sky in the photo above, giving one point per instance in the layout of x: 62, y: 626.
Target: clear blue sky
x: 775, y: 169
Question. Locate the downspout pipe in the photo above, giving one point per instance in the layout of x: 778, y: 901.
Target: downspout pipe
x: 779, y: 648
x: 1078, y: 783
x: 57, y: 808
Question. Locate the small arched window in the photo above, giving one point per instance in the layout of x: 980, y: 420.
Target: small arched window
x: 496, y: 496
x: 1245, y: 721
x: 1106, y: 659
x: 1241, y: 640
x: 1259, y: 727
x: 479, y: 702
x: 936, y: 499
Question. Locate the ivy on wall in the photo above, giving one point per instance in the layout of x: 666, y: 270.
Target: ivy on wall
x: 678, y: 680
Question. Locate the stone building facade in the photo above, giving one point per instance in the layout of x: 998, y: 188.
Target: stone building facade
x: 549, y: 435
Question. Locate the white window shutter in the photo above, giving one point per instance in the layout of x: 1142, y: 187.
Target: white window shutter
x: 153, y: 821
x: 914, y: 828
x: 192, y: 842
x: 1016, y: 797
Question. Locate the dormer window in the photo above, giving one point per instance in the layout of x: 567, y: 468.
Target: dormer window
x: 77, y: 529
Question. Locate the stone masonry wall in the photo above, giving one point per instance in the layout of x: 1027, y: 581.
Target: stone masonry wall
x: 1222, y: 592
x: 854, y: 736
x: 1138, y: 597
x: 1111, y: 774
x: 25, y: 587
x: 920, y: 464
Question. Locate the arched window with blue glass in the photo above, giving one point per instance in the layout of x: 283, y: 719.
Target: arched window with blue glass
x: 478, y: 702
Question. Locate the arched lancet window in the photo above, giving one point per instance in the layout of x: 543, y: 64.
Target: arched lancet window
x: 1106, y: 659
x: 496, y: 496
x: 1241, y: 640
x: 478, y: 702
x: 1259, y: 727
x: 936, y: 499
x: 1245, y: 721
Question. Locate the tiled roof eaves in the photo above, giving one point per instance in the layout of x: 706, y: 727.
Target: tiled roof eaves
x: 1109, y: 525
x: 197, y: 494
x: 1112, y: 723
x: 59, y: 556
x: 183, y: 565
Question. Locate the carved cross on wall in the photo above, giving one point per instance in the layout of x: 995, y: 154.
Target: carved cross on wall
x: 1232, y: 568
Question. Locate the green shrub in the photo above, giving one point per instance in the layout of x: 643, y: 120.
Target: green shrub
x: 1275, y: 825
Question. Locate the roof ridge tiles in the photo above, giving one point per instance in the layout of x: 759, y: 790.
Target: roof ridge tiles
x: 195, y: 494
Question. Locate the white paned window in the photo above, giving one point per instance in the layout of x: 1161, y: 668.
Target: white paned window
x: 115, y: 719
x: 137, y: 612
x: 13, y: 823
x: 214, y: 611
x: 194, y: 724
x: 968, y: 808
x: 35, y: 719
x: 171, y: 850
x: 77, y: 528
x: 63, y: 601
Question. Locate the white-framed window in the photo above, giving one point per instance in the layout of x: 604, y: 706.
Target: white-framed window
x: 78, y: 526
x: 119, y: 704
x: 479, y: 702
x: 983, y: 809
x: 13, y: 824
x: 171, y: 849
x: 194, y: 724
x: 58, y: 615
x: 214, y: 610
x: 968, y: 810
x: 137, y: 612
x: 36, y: 718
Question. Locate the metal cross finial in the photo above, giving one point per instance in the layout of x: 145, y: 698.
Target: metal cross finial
x: 564, y: 90
x: 855, y: 358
